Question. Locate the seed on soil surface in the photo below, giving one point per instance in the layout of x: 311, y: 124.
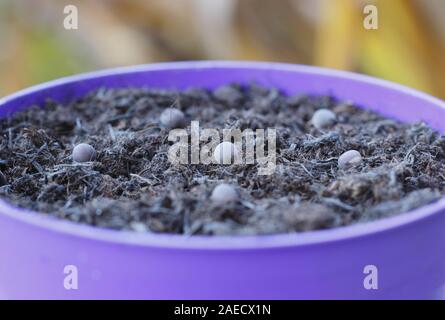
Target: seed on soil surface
x: 83, y: 152
x: 138, y: 226
x: 224, y: 193
x: 228, y: 93
x: 172, y: 118
x: 323, y: 118
x: 224, y: 152
x: 349, y: 159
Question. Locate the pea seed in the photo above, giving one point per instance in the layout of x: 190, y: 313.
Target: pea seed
x: 224, y: 152
x: 349, y: 159
x: 224, y: 193
x: 172, y: 118
x: 323, y: 118
x: 83, y: 152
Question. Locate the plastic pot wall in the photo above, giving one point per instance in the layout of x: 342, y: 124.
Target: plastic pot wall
x: 408, y: 250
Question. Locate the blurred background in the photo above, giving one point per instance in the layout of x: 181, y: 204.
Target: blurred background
x: 408, y: 47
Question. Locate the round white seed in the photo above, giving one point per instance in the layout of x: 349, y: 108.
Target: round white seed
x: 229, y: 94
x: 323, y: 118
x: 172, y: 118
x: 83, y: 152
x: 224, y: 193
x: 138, y: 226
x: 349, y: 159
x: 224, y: 152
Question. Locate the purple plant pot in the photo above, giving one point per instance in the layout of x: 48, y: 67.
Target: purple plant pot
x: 408, y: 250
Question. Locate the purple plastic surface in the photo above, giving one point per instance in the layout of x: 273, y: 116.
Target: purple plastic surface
x: 408, y: 250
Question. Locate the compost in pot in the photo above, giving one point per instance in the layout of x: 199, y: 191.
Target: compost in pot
x: 103, y: 160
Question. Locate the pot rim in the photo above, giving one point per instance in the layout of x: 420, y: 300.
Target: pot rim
x: 173, y: 241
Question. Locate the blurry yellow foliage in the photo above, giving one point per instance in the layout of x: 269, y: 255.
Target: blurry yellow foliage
x: 403, y: 49
x: 407, y: 47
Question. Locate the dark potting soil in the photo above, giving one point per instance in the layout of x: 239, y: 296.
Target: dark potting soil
x: 132, y: 185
